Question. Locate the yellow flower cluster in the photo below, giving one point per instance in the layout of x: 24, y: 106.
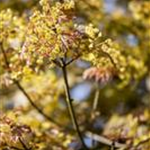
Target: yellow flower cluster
x: 50, y: 31
x: 130, y: 127
x: 52, y: 34
x: 109, y: 54
x: 91, y: 31
x: 11, y: 28
x: 12, y: 33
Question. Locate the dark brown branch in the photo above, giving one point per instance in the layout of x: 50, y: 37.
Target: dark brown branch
x: 72, y: 60
x: 113, y: 145
x: 68, y: 96
x: 57, y: 63
x: 69, y: 104
x: 23, y: 145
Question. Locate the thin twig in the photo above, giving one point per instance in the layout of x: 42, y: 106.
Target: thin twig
x: 94, y: 108
x: 73, y: 59
x: 142, y: 142
x: 95, y: 102
x: 34, y: 105
x: 24, y: 145
x: 69, y: 104
x: 16, y: 148
x: 111, y: 59
x: 136, y: 146
x: 17, y: 83
x: 57, y: 63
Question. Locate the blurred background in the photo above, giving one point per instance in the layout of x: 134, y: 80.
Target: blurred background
x: 121, y: 111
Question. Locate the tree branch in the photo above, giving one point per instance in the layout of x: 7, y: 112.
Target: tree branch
x: 94, y: 108
x: 34, y: 105
x: 105, y: 140
x: 17, y: 83
x: 142, y: 142
x: 110, y: 58
x: 136, y: 146
x: 23, y: 144
x: 70, y: 106
x: 73, y: 59
x: 13, y: 147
